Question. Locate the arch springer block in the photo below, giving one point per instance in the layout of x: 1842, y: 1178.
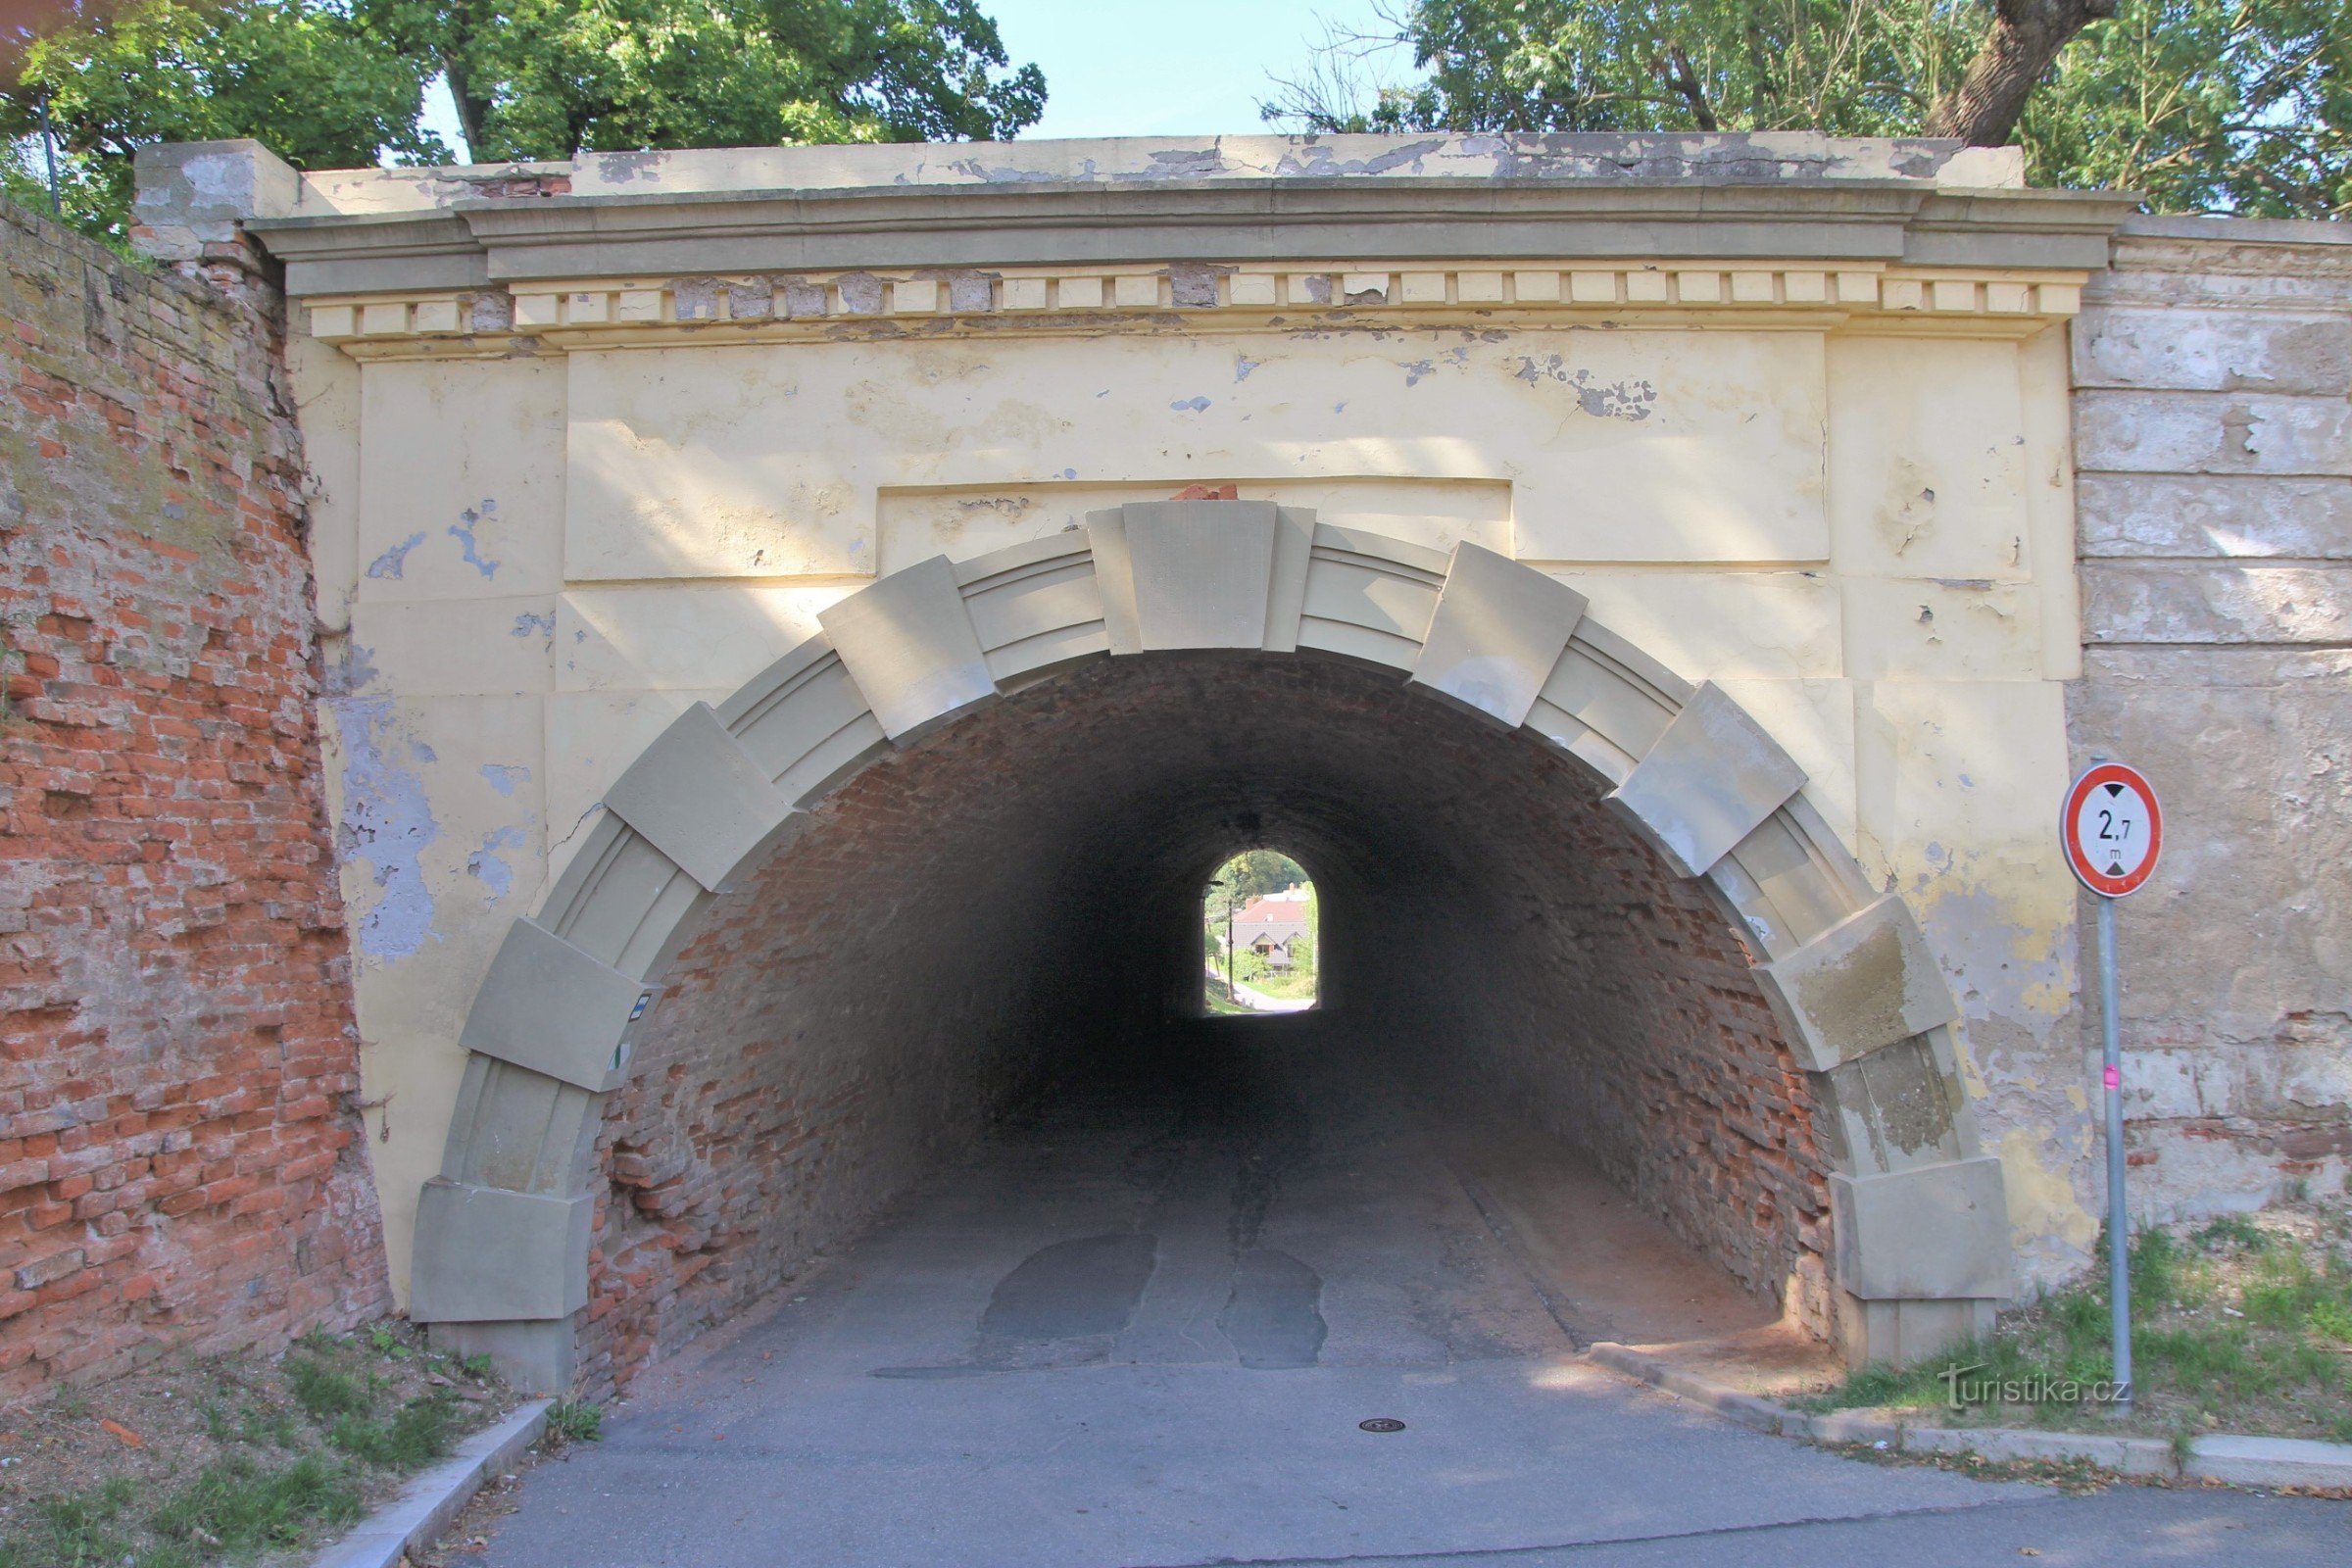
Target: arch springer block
x: 1497, y: 632
x: 1861, y: 986
x: 1709, y: 781
x: 549, y: 1007
x: 701, y: 798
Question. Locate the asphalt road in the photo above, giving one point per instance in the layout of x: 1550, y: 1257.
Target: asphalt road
x: 1143, y: 1330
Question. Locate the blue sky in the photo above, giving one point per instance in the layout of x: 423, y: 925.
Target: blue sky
x: 1120, y: 67
x: 1124, y: 68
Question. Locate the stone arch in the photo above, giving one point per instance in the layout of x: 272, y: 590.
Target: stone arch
x: 1922, y: 1251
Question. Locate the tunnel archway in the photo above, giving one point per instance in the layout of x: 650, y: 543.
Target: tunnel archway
x: 1630, y: 841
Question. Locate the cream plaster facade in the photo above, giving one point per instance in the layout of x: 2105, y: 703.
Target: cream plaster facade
x: 1795, y: 422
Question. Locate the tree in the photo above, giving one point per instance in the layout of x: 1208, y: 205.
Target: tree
x: 2227, y: 105
x: 544, y: 78
x: 304, y: 77
x: 329, y: 83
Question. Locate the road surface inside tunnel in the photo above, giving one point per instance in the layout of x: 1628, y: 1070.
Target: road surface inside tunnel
x: 1143, y: 1324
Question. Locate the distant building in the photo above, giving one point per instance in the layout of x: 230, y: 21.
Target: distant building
x: 1270, y: 925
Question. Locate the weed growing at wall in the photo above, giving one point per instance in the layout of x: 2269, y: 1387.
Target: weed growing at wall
x: 2242, y: 1324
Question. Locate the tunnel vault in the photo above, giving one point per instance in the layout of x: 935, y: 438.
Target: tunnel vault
x: 1920, y: 1251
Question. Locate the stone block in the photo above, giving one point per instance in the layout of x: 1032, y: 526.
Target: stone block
x: 1934, y: 1233
x: 908, y: 643
x: 1928, y: 458
x: 2244, y: 1461
x: 1184, y: 574
x: 485, y: 1255
x: 1900, y: 1334
x: 2192, y: 350
x: 2211, y: 432
x: 1845, y: 1428
x: 1499, y: 630
x: 1863, y: 983
x: 551, y: 1007
x: 2244, y: 602
x: 700, y: 798
x: 2214, y: 516
x: 2131, y: 1456
x: 1898, y: 1107
x: 1707, y: 782
x: 191, y: 194
x: 540, y: 1356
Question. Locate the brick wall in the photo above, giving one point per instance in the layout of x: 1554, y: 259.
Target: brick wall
x: 178, y: 1163
x: 1018, y: 894
x: 2214, y: 449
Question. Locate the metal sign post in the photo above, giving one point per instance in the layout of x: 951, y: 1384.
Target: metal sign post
x: 2111, y: 829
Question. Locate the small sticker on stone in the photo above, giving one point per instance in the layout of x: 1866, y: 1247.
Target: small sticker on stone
x: 1381, y: 1423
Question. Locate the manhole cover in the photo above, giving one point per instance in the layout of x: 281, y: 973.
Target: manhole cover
x: 1382, y: 1423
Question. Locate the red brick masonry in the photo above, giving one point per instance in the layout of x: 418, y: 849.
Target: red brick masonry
x: 179, y: 1157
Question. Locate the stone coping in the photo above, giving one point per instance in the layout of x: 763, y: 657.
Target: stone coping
x: 2229, y: 1458
x: 1228, y: 200
x: 431, y: 1503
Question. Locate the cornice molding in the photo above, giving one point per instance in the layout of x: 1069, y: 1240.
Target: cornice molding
x: 474, y: 244
x: 641, y: 311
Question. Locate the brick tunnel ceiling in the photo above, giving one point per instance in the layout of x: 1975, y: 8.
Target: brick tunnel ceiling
x: 1019, y: 892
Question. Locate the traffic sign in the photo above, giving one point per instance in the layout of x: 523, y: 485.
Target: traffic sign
x: 2113, y: 829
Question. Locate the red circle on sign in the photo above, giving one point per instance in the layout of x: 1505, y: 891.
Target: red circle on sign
x: 2112, y: 829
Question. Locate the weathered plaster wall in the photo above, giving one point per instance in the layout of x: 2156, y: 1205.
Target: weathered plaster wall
x: 578, y: 468
x: 179, y: 1159
x: 1865, y: 539
x: 2214, y: 363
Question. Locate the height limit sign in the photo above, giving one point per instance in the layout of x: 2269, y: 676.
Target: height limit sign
x: 2111, y: 829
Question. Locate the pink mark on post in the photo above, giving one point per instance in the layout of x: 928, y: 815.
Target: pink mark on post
x: 2114, y: 1078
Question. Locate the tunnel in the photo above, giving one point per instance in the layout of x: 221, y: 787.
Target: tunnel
x: 914, y: 918
x: 989, y: 942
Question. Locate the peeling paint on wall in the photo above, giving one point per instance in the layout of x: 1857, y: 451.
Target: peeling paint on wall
x: 386, y: 824
x: 462, y: 532
x: 490, y: 867
x: 505, y: 776
x: 392, y: 563
x: 1621, y: 400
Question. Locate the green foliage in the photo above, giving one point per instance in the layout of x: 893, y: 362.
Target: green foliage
x: 417, y: 1434
x: 1252, y: 874
x: 304, y: 77
x: 576, y: 1420
x: 246, y: 1508
x: 2224, y: 105
x: 2217, y: 1351
x: 326, y: 1391
x: 340, y: 83
x: 544, y: 79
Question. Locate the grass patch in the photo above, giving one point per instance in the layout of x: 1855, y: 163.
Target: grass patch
x: 576, y: 1420
x: 237, y: 1507
x: 224, y: 1462
x: 2238, y: 1325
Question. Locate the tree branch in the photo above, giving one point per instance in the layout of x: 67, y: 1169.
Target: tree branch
x: 1684, y: 82
x: 2026, y: 37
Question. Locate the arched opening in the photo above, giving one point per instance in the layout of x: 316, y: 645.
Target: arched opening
x: 943, y: 863
x: 1260, y: 931
x: 970, y: 951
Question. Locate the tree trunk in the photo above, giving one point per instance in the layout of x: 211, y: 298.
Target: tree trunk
x: 2026, y: 36
x: 473, y: 110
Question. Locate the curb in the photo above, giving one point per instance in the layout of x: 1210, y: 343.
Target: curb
x: 429, y: 1504
x: 2226, y: 1457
